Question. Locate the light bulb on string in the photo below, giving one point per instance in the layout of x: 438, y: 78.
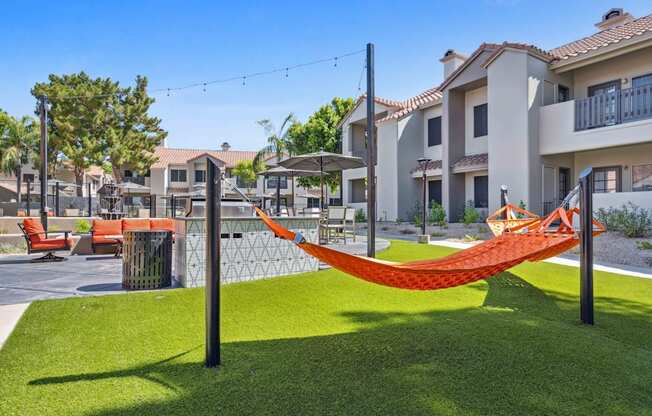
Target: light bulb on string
x: 286, y: 72
x: 335, y: 64
x: 168, y: 94
x: 244, y: 81
x: 204, y: 87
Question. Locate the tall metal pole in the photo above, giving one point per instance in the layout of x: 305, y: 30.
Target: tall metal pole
x: 173, y: 202
x: 29, y: 198
x: 586, y: 246
x: 43, y: 113
x: 425, y: 204
x: 213, y: 232
x: 152, y: 205
x: 90, y: 200
x: 57, y: 212
x: 278, y: 195
x: 371, y: 150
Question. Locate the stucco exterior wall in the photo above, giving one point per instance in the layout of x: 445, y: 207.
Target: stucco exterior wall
x: 387, y: 170
x: 410, y: 143
x: 508, y: 91
x: 474, y: 145
x: 158, y: 180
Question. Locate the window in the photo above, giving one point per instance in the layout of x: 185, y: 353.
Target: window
x: 28, y: 177
x: 200, y: 176
x: 178, y: 175
x: 434, y: 192
x: 434, y: 131
x: 313, y: 203
x: 606, y: 180
x: 563, y: 93
x: 271, y: 182
x: 336, y: 202
x: 358, y: 190
x: 481, y: 191
x: 642, y: 178
x: 641, y: 81
x: 128, y: 173
x: 480, y: 120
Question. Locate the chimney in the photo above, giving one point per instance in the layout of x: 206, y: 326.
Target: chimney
x: 613, y: 18
x: 226, y: 146
x: 451, y: 60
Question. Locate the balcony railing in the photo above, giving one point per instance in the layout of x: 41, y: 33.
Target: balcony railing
x: 616, y: 107
x: 139, y: 180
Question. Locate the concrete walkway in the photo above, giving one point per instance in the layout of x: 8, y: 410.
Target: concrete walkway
x: 9, y: 317
x: 603, y: 267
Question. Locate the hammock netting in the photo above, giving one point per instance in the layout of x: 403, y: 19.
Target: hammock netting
x: 518, y: 241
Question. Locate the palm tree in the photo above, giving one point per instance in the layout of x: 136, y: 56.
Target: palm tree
x: 19, y: 141
x: 277, y: 145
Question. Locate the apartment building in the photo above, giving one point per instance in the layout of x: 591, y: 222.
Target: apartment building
x: 183, y: 171
x: 518, y: 115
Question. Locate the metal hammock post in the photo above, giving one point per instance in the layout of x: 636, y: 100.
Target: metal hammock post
x: 43, y: 114
x: 371, y: 149
x: 90, y: 199
x: 503, y: 197
x: 586, y: 246
x: 213, y: 232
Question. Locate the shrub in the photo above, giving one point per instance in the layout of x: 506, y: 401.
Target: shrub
x: 470, y: 215
x: 644, y: 245
x: 82, y: 226
x: 417, y: 220
x: 438, y: 234
x: 360, y: 216
x: 407, y: 231
x: 632, y: 220
x: 437, y: 214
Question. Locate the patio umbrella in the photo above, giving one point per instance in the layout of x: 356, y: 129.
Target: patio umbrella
x: 322, y: 162
x: 279, y: 171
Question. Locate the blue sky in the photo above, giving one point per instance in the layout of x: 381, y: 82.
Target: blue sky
x: 175, y: 43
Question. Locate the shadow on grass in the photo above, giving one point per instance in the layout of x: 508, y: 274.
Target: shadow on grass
x: 501, y: 359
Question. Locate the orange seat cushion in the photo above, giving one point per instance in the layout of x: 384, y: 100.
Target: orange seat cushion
x: 107, y: 227
x: 166, y: 224
x: 106, y: 239
x: 52, y: 244
x: 34, y: 229
x: 135, y: 224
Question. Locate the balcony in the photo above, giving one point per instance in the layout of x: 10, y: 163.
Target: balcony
x: 612, y: 108
x: 139, y: 180
x: 606, y: 120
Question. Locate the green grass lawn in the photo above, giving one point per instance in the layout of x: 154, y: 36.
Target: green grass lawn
x: 325, y: 343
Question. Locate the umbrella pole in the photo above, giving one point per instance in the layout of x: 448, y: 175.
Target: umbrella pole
x: 321, y: 183
x: 278, y: 195
x: 294, y: 207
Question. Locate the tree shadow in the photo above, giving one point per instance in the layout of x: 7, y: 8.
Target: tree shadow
x: 499, y: 359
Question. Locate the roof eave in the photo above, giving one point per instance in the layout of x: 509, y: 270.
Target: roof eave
x: 607, y: 52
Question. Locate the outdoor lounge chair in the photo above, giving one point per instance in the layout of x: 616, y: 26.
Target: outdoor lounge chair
x: 334, y: 224
x: 349, y: 223
x: 38, y: 242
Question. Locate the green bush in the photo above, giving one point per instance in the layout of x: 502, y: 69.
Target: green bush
x: 437, y: 214
x: 417, y: 220
x: 360, y: 215
x: 82, y: 226
x: 632, y: 220
x: 644, y: 245
x: 470, y: 215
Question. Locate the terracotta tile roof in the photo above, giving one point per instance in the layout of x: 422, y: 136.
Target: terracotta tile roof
x: 169, y: 155
x: 471, y: 162
x: 414, y: 103
x: 532, y: 49
x: 636, y: 27
x: 382, y: 101
x: 432, y: 165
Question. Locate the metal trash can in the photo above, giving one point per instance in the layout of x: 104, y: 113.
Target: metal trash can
x: 146, y: 259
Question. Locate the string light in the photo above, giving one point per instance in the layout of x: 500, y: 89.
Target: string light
x: 204, y: 84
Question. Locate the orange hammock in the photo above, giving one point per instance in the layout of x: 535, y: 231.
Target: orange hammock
x: 478, y: 262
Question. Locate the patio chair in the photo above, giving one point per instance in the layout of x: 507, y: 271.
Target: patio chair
x: 349, y: 223
x: 334, y: 223
x: 38, y: 242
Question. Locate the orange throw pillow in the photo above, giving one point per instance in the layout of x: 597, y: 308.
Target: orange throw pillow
x: 166, y: 224
x: 34, y: 229
x: 135, y: 224
x: 107, y: 227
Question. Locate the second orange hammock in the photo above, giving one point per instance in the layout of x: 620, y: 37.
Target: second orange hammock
x: 478, y: 262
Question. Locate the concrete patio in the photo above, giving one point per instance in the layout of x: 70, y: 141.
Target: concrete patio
x: 22, y: 281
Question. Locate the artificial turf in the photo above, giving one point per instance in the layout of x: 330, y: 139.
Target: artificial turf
x: 325, y: 343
